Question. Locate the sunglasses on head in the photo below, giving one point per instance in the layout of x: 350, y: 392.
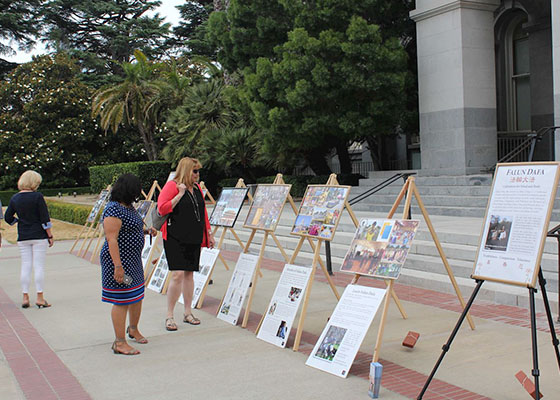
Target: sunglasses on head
x: 195, y: 171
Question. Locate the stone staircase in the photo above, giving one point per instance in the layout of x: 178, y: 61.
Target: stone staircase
x: 457, y: 227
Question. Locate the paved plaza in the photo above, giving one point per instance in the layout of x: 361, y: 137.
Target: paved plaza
x: 64, y: 352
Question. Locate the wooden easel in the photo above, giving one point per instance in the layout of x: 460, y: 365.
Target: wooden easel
x: 99, y: 230
x: 409, y: 188
x: 277, y: 181
x: 206, y: 193
x: 92, y: 225
x: 240, y: 184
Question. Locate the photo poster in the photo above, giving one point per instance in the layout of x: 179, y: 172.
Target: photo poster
x: 171, y: 176
x: 320, y: 211
x: 231, y: 306
x: 159, y: 276
x: 266, y: 208
x: 147, y: 250
x: 516, y: 223
x: 341, y: 339
x: 228, y: 207
x: 143, y: 207
x: 201, y: 277
x: 101, y: 199
x: 283, y: 307
x: 380, y: 247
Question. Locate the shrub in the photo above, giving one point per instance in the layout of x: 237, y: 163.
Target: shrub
x: 74, y: 213
x: 7, y: 194
x: 100, y: 176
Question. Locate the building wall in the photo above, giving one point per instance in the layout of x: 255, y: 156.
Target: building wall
x: 556, y: 69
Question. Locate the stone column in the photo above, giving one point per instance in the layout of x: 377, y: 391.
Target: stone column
x: 555, y: 20
x: 457, y: 88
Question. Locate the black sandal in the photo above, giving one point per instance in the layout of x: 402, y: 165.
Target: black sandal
x: 45, y: 304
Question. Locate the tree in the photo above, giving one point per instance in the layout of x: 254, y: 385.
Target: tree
x: 18, y: 22
x: 328, y: 90
x: 190, y: 34
x: 45, y: 125
x: 105, y: 33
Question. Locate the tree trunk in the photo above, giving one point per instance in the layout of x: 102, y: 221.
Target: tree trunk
x: 317, y: 162
x: 343, y: 157
x: 148, y: 140
x: 375, y: 150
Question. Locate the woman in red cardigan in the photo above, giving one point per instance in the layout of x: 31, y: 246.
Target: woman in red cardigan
x: 186, y: 230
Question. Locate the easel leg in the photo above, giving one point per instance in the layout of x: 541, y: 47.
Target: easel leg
x: 555, y: 342
x: 296, y: 250
x: 397, y: 301
x: 237, y: 238
x: 382, y: 323
x: 535, y: 372
x: 325, y: 271
x: 220, y: 242
x: 451, y: 337
x: 254, y: 282
x: 279, y: 245
x: 306, y: 298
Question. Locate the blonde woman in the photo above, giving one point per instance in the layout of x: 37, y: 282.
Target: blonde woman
x: 186, y: 230
x: 34, y: 233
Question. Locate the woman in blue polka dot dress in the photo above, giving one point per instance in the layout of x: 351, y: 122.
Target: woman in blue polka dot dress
x: 122, y: 274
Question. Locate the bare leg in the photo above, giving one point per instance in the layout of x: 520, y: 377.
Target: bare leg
x: 118, y: 316
x: 188, y: 287
x: 174, y: 291
x: 134, y: 311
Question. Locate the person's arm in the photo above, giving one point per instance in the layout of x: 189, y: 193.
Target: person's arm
x: 170, y: 196
x: 45, y: 219
x: 112, y: 226
x: 10, y: 212
x: 207, y: 226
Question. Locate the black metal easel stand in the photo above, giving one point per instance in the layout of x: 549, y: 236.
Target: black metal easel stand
x: 535, y: 372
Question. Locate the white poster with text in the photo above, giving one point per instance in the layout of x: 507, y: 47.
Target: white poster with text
x: 201, y: 277
x: 157, y: 280
x: 237, y: 289
x: 284, y: 305
x: 516, y: 223
x: 340, y: 341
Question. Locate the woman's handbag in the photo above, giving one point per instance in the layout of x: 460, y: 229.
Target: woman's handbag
x: 158, y: 220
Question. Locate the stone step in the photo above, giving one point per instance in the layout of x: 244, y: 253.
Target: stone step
x: 468, y: 180
x: 394, y: 190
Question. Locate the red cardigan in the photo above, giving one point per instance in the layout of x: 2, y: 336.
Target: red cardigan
x: 164, y: 206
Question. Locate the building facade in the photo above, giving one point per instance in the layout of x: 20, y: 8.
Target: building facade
x: 489, y: 77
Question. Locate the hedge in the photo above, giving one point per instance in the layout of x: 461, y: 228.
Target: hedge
x: 5, y: 195
x: 74, y: 213
x: 100, y: 176
x: 299, y: 182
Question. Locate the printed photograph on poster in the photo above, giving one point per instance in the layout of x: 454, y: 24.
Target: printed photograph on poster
x: 320, y: 211
x: 147, y: 249
x: 380, y: 247
x: 284, y: 305
x: 157, y: 280
x: 143, y: 207
x: 342, y: 337
x: 238, y: 287
x: 101, y: 199
x: 267, y: 206
x: 201, y: 277
x: 498, y: 233
x: 228, y: 206
x: 516, y: 223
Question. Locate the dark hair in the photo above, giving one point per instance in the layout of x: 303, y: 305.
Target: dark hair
x: 127, y: 189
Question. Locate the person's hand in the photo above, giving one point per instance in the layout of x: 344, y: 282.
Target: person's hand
x: 51, y: 242
x: 119, y: 274
x: 211, y: 241
x: 181, y: 187
x: 152, y: 231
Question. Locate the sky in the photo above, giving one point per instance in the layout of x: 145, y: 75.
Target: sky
x: 167, y: 10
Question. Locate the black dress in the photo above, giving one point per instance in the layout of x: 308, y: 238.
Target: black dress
x: 185, y: 229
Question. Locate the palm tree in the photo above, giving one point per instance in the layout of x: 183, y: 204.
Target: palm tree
x: 126, y: 102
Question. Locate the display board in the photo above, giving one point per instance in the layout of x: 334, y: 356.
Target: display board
x: 227, y: 208
x: 143, y: 207
x: 267, y: 206
x: 201, y: 277
x: 159, y: 276
x: 147, y: 249
x: 516, y: 223
x: 380, y: 247
x: 101, y: 199
x: 231, y: 306
x: 320, y: 211
x: 340, y: 341
x: 283, y: 307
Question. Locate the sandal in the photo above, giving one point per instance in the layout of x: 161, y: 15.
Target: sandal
x: 191, y: 319
x: 170, y: 324
x: 140, y: 339
x: 44, y: 304
x: 131, y: 352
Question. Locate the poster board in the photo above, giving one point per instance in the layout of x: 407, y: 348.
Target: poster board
x: 267, y: 205
x: 159, y: 276
x: 516, y: 223
x: 147, y: 250
x: 227, y: 208
x: 380, y: 247
x: 233, y: 300
x: 320, y: 211
x: 341, y: 338
x: 201, y: 277
x: 283, y: 307
x: 143, y: 207
x: 101, y: 199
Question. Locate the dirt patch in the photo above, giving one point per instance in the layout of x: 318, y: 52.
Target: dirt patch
x: 61, y: 231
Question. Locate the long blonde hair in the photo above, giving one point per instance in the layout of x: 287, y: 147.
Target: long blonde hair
x: 183, y: 174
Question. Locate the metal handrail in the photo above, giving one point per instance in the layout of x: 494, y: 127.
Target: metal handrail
x: 378, y: 187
